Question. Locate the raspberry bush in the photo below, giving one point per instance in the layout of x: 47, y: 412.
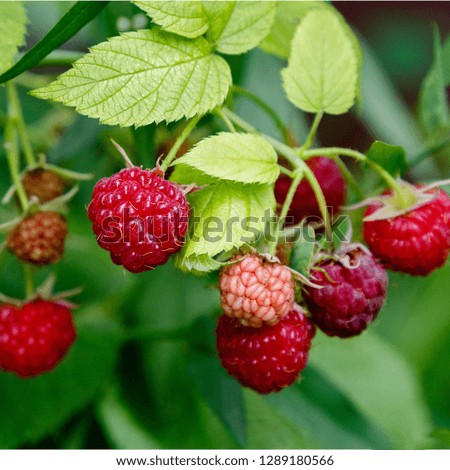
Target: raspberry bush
x: 219, y: 253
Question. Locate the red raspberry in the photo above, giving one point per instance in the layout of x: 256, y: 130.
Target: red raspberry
x: 43, y: 184
x: 256, y: 291
x: 269, y: 358
x: 39, y: 239
x: 415, y: 243
x: 350, y: 297
x: 35, y: 337
x: 139, y: 217
x: 304, y: 204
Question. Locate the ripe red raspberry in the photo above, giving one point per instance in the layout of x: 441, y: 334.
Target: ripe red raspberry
x: 417, y: 242
x: 304, y: 204
x: 43, y: 184
x: 39, y: 239
x: 256, y: 291
x: 269, y: 358
x: 139, y: 217
x: 35, y: 337
x: 350, y: 297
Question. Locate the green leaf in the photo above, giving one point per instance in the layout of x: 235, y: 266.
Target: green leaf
x: 186, y: 18
x: 245, y: 158
x: 120, y: 426
x: 314, y: 422
x: 322, y: 71
x: 237, y: 28
x: 185, y: 174
x: 379, y: 382
x: 262, y: 416
x: 391, y: 157
x: 198, y: 265
x: 287, y: 17
x: 12, y: 31
x: 442, y: 436
x: 77, y: 17
x: 143, y: 77
x: 218, y: 14
x: 446, y: 61
x: 225, y: 216
x: 222, y: 393
x: 33, y: 408
x: 303, y: 252
x: 433, y: 106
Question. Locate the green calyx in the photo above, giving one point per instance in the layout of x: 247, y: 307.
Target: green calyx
x: 404, y: 196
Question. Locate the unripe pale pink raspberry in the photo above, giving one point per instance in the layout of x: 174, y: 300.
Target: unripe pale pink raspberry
x: 256, y: 291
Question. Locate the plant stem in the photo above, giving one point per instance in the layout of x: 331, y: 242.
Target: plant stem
x: 265, y: 107
x: 12, y: 152
x: 14, y: 103
x: 312, y: 131
x: 292, y: 158
x: 298, y: 164
x: 321, y: 202
x: 225, y: 119
x: 297, y: 177
x: 179, y: 142
x: 332, y: 151
x: 28, y: 279
x: 286, y: 171
x: 349, y: 177
x: 238, y: 121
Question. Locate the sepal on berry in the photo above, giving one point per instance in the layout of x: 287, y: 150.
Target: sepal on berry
x: 391, y: 204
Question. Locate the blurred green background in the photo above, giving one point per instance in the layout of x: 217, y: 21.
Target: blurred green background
x: 143, y: 373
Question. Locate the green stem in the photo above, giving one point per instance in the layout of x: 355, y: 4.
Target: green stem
x: 286, y: 171
x: 321, y: 202
x: 14, y: 102
x: 293, y: 159
x: 218, y: 112
x: 296, y: 161
x: 265, y: 107
x: 28, y: 278
x: 333, y: 151
x: 12, y: 152
x: 177, y: 334
x: 297, y: 177
x: 349, y: 177
x: 312, y: 131
x: 179, y: 142
x: 238, y: 121
x: 390, y: 180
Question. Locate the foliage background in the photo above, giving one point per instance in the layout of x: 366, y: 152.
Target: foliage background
x: 143, y: 373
